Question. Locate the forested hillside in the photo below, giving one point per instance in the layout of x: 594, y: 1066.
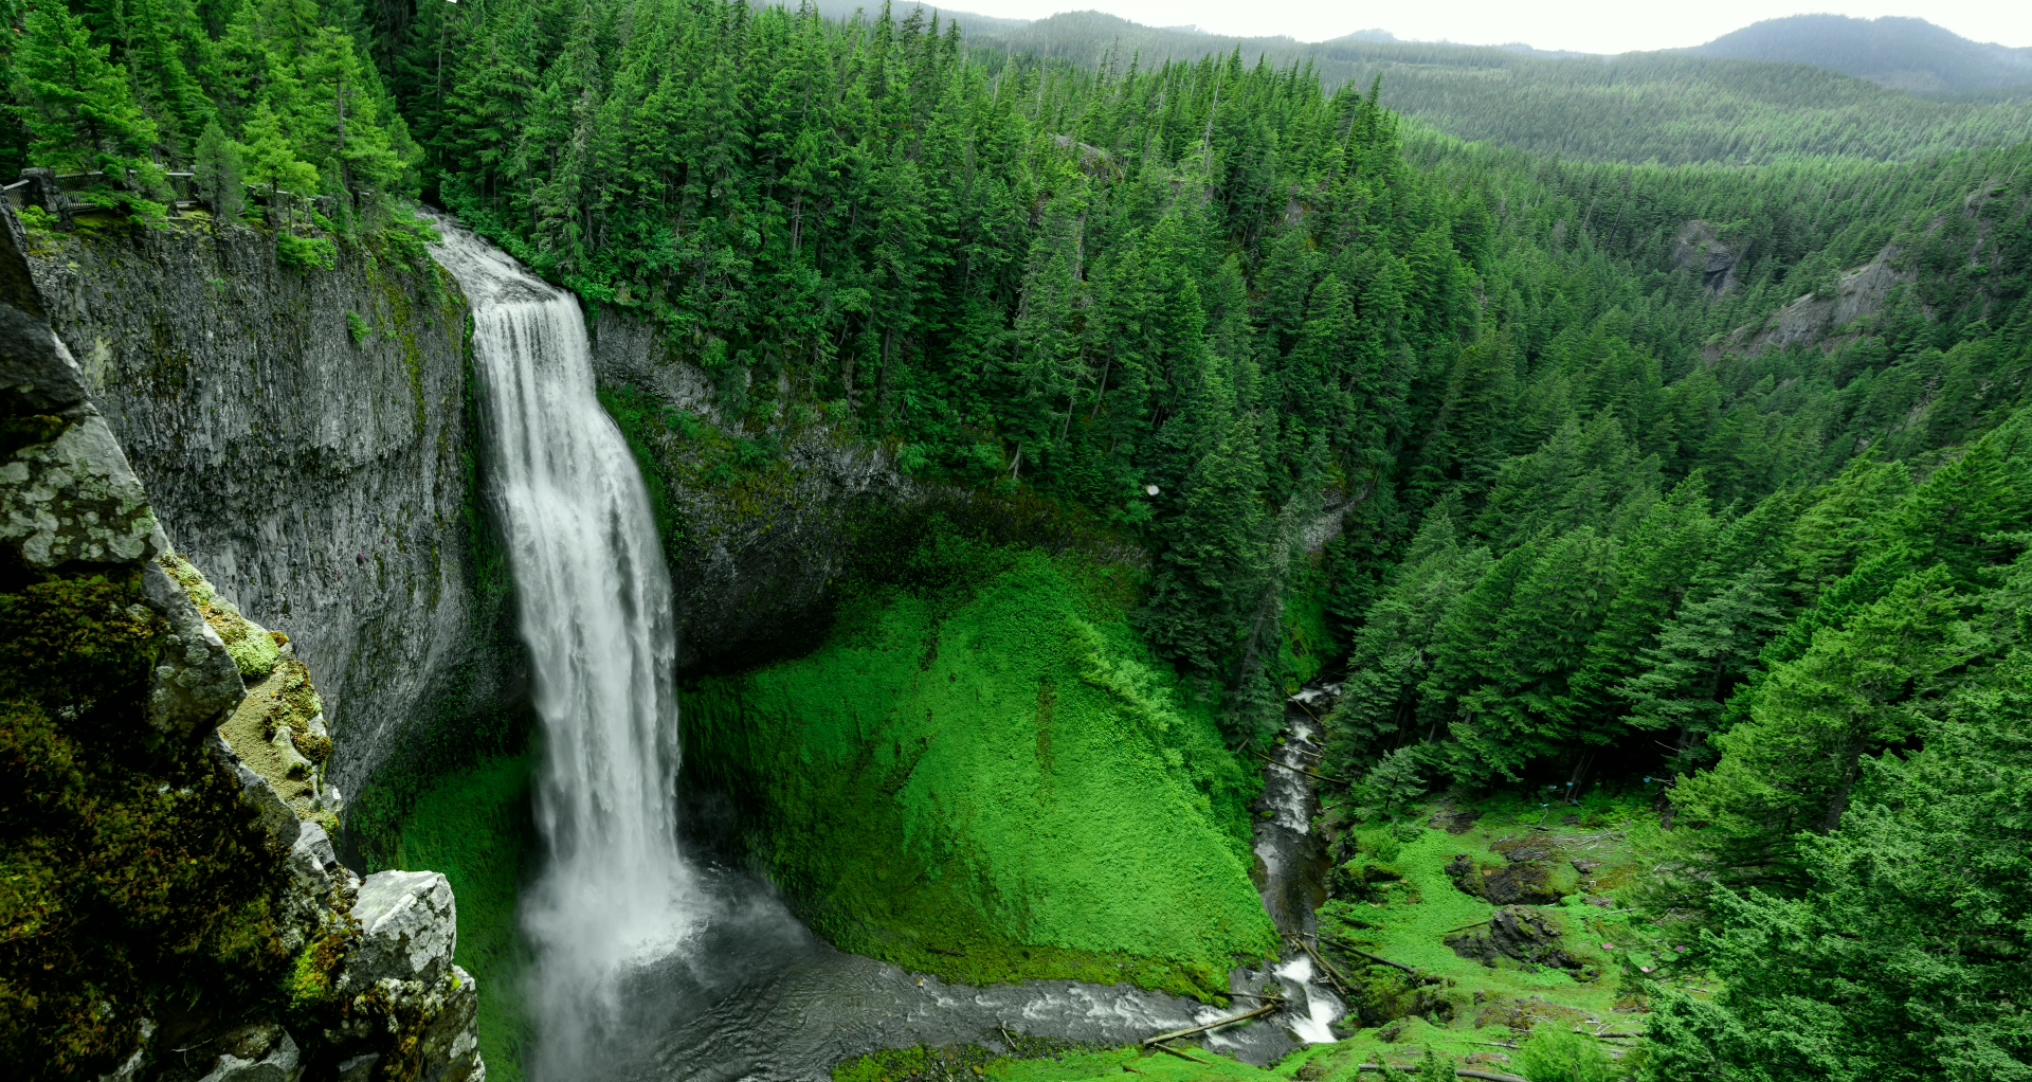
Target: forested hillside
x: 1664, y: 107
x: 1906, y: 54
x: 1558, y: 461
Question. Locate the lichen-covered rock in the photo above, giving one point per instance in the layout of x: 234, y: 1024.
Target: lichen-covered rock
x: 408, y: 929
x: 254, y: 648
x: 74, y: 499
x: 225, y: 912
x: 195, y: 683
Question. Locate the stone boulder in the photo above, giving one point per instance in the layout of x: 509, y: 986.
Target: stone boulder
x: 1529, y: 883
x: 408, y: 928
x: 260, y: 1054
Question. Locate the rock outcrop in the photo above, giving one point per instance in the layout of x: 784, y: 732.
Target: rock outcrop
x: 1517, y: 932
x: 1700, y: 248
x: 757, y: 548
x: 1819, y: 320
x: 119, y: 654
x: 307, y: 438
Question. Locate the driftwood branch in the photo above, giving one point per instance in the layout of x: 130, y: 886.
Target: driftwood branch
x: 1194, y: 1031
x: 1332, y: 974
x: 1342, y: 944
x: 1167, y: 1048
x: 1296, y: 769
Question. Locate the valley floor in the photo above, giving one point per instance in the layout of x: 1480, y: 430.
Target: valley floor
x: 1541, y: 941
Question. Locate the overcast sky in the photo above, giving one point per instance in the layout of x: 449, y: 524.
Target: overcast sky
x: 1594, y: 26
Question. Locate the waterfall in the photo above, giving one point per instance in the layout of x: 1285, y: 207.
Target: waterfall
x: 595, y: 609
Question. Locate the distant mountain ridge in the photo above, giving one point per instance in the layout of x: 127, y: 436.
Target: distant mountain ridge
x: 1904, y: 54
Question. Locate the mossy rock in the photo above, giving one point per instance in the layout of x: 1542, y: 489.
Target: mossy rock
x: 254, y: 649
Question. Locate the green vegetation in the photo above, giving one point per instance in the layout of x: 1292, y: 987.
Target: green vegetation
x: 1591, y: 474
x: 1672, y: 108
x: 474, y: 826
x: 130, y: 872
x: 982, y: 774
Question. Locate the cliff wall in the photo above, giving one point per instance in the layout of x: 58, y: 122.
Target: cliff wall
x: 173, y: 900
x: 758, y: 521
x: 307, y: 438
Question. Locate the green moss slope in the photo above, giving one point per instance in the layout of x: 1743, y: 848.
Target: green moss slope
x: 474, y: 827
x: 995, y: 786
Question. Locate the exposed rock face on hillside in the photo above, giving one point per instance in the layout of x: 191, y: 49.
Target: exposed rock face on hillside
x: 1701, y: 249
x: 201, y: 908
x: 756, y: 547
x: 1818, y: 320
x: 307, y: 439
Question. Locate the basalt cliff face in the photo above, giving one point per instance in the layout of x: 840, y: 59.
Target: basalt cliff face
x: 173, y: 907
x: 307, y: 437
x: 759, y: 518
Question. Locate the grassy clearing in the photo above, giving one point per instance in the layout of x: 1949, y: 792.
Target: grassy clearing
x: 994, y: 783
x: 474, y: 827
x: 1413, y: 907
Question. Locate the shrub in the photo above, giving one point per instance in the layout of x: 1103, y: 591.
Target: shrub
x: 1554, y: 1054
x: 303, y: 253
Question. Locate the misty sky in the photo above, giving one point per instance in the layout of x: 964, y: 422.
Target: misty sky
x: 1595, y: 26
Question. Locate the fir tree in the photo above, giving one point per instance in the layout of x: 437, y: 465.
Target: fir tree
x: 218, y: 173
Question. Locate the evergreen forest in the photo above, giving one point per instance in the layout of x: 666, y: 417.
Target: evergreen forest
x: 1659, y: 429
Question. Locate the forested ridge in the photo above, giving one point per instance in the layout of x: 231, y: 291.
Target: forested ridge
x: 1668, y: 107
x: 1484, y: 429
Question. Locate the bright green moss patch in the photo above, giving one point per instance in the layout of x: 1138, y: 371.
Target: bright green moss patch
x: 474, y: 827
x: 254, y: 649
x: 986, y: 777
x: 1413, y: 908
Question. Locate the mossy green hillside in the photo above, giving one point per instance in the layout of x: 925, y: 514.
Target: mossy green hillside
x: 474, y: 827
x: 994, y: 782
x: 1410, y: 908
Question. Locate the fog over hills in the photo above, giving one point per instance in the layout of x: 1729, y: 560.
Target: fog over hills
x: 1905, y: 54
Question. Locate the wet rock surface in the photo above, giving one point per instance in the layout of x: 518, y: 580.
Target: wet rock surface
x: 757, y: 559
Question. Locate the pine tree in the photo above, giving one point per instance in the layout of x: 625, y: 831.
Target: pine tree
x: 1701, y: 656
x: 1792, y: 767
x: 1904, y: 957
x: 218, y: 173
x: 80, y: 110
x: 272, y: 155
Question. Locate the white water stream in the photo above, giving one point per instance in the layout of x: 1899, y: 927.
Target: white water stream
x: 595, y: 610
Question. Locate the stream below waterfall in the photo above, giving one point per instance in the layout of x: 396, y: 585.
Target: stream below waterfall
x: 759, y: 997
x: 652, y: 966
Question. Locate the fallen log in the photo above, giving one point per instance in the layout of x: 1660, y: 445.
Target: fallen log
x: 1180, y: 1055
x: 1194, y: 1031
x: 1379, y: 960
x: 1334, y: 975
x: 1296, y: 769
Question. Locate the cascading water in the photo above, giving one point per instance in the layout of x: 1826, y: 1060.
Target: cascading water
x: 753, y: 994
x: 595, y: 609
